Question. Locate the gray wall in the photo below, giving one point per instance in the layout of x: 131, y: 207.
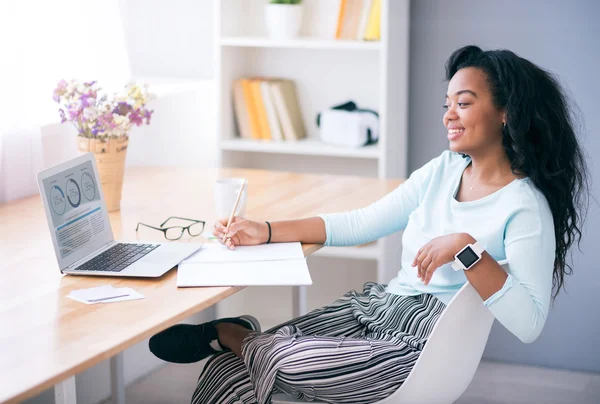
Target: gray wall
x: 563, y: 37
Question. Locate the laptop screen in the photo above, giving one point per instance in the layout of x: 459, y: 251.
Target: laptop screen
x: 77, y: 216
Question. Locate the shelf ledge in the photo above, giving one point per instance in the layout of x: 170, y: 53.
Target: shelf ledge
x: 308, y: 147
x: 299, y: 43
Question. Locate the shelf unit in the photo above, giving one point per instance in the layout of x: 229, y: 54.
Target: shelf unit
x: 306, y: 147
x: 300, y: 43
x: 327, y: 72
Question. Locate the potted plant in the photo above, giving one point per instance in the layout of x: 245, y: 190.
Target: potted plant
x: 283, y: 18
x: 103, y: 127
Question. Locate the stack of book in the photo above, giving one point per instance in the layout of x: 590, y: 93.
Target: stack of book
x: 359, y: 20
x: 267, y: 109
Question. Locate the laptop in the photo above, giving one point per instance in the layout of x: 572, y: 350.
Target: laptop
x: 81, y: 233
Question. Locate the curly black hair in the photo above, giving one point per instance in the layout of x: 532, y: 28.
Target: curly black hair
x: 539, y: 139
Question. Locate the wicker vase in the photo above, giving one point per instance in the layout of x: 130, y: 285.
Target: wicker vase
x: 110, y: 159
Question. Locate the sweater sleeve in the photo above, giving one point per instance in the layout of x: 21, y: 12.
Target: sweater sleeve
x: 522, y: 304
x: 383, y: 217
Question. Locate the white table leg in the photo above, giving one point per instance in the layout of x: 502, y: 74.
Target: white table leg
x: 298, y: 301
x: 64, y: 392
x: 117, y: 379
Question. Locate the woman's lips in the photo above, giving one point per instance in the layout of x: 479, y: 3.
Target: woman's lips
x: 454, y: 134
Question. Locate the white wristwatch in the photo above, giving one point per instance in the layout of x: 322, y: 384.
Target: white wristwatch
x: 468, y: 256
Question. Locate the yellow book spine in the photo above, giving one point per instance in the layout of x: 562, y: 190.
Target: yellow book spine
x: 340, y: 21
x: 250, y: 105
x: 373, y: 32
x: 261, y: 112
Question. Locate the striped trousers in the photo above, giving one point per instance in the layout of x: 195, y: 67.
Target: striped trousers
x: 359, y: 349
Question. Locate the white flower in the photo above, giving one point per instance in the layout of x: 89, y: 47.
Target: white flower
x: 90, y: 114
x: 118, y: 119
x: 71, y: 87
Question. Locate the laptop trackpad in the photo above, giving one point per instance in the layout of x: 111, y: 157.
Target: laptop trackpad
x: 161, y: 257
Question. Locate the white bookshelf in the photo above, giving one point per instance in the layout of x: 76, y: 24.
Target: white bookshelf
x: 305, y: 147
x: 327, y: 72
x: 300, y: 43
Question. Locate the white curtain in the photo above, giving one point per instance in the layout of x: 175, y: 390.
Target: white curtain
x: 42, y: 42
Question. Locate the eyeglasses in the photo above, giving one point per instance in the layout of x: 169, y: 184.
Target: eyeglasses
x: 176, y: 232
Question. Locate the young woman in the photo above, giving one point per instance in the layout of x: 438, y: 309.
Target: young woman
x: 510, y: 187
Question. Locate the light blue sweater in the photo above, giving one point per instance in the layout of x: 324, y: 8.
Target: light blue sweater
x: 513, y: 223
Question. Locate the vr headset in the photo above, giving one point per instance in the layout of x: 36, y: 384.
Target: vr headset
x: 348, y: 125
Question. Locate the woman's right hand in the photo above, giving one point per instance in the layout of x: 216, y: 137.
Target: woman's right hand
x: 241, y: 232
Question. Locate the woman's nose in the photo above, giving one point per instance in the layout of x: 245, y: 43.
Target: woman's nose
x: 450, y: 114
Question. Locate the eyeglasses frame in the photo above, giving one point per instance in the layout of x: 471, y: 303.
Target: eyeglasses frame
x: 183, y: 229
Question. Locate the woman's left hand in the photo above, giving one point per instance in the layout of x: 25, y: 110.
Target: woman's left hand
x: 439, y: 251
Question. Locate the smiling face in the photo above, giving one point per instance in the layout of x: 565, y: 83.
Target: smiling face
x: 474, y: 123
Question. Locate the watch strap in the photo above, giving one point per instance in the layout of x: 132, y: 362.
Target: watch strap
x: 477, y: 247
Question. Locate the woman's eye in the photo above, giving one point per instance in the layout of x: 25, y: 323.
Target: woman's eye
x: 460, y: 105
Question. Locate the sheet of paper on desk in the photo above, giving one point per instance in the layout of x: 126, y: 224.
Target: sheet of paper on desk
x: 269, y: 264
x: 99, y: 292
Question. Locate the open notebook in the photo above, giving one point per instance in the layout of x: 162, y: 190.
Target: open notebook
x: 261, y: 265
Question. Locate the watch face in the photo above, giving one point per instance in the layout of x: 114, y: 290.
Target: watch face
x: 467, y: 257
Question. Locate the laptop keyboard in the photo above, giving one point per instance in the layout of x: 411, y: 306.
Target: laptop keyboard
x: 117, y: 258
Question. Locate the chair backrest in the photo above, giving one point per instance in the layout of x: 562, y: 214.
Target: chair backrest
x: 451, y: 355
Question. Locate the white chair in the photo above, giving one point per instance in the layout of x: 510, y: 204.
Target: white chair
x: 450, y: 358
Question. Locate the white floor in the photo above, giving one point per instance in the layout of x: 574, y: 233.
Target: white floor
x: 494, y: 383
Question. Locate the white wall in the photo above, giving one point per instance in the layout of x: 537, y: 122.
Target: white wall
x: 169, y: 38
x: 182, y: 129
x: 172, y: 42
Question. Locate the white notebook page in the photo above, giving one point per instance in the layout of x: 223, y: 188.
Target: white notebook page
x: 262, y: 265
x: 217, y: 252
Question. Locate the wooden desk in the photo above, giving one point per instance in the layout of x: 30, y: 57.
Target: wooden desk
x: 46, y: 338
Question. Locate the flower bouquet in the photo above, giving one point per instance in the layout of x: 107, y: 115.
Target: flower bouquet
x: 103, y: 126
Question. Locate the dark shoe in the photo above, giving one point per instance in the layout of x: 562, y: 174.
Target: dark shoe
x: 189, y: 343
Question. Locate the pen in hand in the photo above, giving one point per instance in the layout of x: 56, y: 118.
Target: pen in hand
x: 235, y: 205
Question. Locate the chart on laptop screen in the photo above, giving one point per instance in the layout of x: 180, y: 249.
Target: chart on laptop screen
x: 75, y: 208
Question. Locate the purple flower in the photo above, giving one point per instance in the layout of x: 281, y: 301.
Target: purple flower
x: 103, y: 121
x: 106, y: 121
x: 61, y: 88
x: 74, y: 113
x: 136, y: 118
x: 122, y: 109
x: 148, y: 115
x: 94, y: 114
x: 88, y: 99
